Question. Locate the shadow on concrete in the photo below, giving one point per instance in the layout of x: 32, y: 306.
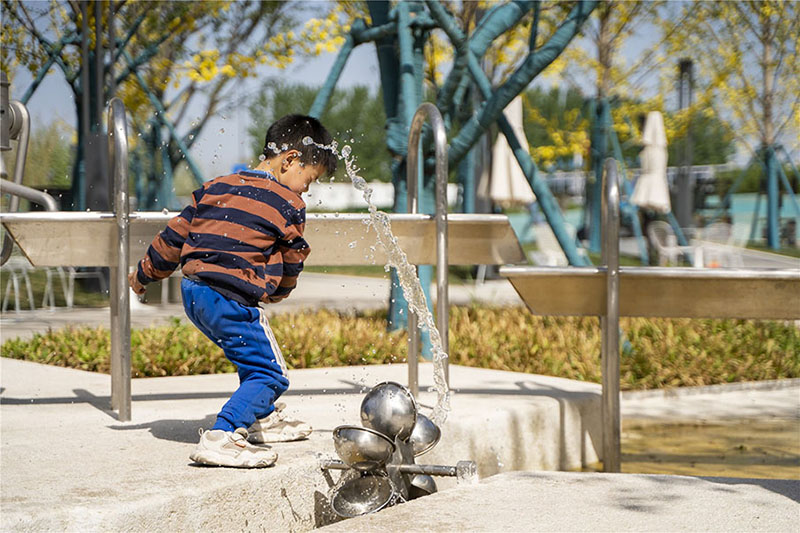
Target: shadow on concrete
x: 185, y: 431
x: 789, y: 488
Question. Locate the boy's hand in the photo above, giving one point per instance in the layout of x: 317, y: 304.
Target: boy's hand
x: 133, y: 281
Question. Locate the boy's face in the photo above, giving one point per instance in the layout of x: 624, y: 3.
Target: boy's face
x: 298, y: 175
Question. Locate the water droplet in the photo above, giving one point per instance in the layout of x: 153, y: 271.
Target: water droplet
x: 307, y: 140
x: 346, y: 150
x: 222, y: 130
x: 352, y: 244
x: 165, y: 211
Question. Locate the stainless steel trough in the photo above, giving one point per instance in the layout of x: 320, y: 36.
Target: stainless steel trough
x: 661, y: 292
x: 90, y: 238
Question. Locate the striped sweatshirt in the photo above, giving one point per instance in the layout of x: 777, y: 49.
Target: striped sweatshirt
x: 242, y: 235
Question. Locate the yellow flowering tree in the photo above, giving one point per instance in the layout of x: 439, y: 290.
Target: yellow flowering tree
x: 748, y: 62
x: 175, y: 63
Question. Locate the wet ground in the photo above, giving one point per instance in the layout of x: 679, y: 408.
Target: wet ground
x: 768, y: 449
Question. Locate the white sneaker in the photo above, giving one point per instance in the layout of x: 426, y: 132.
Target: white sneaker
x: 230, y: 448
x: 278, y: 427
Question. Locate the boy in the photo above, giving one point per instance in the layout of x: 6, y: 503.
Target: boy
x: 240, y: 244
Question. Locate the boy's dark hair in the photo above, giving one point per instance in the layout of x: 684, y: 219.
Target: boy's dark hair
x: 288, y: 132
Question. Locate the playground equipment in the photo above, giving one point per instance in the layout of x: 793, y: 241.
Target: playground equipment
x: 399, y: 34
x: 609, y: 291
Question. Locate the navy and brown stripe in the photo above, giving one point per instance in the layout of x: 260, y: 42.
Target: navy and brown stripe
x: 242, y: 235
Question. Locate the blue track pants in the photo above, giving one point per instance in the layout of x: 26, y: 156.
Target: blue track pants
x: 244, y: 335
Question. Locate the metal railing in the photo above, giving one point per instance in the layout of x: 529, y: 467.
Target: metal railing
x: 119, y: 294
x: 610, y: 291
x: 442, y: 292
x: 609, y: 322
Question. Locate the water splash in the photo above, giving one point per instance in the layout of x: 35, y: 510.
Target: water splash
x: 406, y: 274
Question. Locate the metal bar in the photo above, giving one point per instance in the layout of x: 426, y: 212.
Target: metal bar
x: 79, y: 196
x: 19, y: 113
x: 610, y: 321
x: 430, y: 470
x: 34, y: 195
x: 120, y: 296
x: 442, y: 292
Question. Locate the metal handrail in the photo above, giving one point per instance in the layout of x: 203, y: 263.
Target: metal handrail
x: 19, y: 125
x: 429, y: 111
x: 120, y: 295
x: 609, y: 322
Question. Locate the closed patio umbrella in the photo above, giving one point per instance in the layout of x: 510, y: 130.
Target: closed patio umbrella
x: 652, y: 189
x: 508, y: 184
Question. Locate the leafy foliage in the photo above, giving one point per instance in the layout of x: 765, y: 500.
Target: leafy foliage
x: 662, y: 353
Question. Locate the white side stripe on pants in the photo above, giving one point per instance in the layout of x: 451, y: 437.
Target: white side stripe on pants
x: 273, y: 342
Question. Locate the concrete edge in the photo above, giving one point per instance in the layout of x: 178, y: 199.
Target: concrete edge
x: 766, y: 385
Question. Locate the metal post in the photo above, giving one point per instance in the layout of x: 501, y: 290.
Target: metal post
x: 773, y: 194
x: 684, y: 186
x: 442, y: 291
x: 120, y: 296
x: 17, y: 120
x: 610, y: 321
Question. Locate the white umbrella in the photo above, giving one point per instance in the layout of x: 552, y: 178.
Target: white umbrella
x: 508, y: 183
x: 652, y: 189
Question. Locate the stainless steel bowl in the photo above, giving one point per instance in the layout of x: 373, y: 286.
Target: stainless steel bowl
x: 362, y: 495
x: 362, y: 448
x: 421, y: 485
x: 425, y: 435
x: 389, y: 408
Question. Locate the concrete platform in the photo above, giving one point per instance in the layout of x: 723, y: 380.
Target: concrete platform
x: 565, y: 501
x: 68, y: 465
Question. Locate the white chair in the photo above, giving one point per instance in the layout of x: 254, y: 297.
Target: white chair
x: 550, y: 252
x: 665, y: 242
x: 73, y: 274
x: 16, y: 269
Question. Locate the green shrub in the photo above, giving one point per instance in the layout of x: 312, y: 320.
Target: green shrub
x: 656, y: 352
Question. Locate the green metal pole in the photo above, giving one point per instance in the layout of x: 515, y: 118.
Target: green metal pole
x: 324, y: 94
x: 533, y: 65
x: 545, y: 198
x: 162, y: 117
x: 754, y: 222
x: 773, y: 193
x: 600, y: 127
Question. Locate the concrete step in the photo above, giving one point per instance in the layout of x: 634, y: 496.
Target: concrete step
x: 68, y: 465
